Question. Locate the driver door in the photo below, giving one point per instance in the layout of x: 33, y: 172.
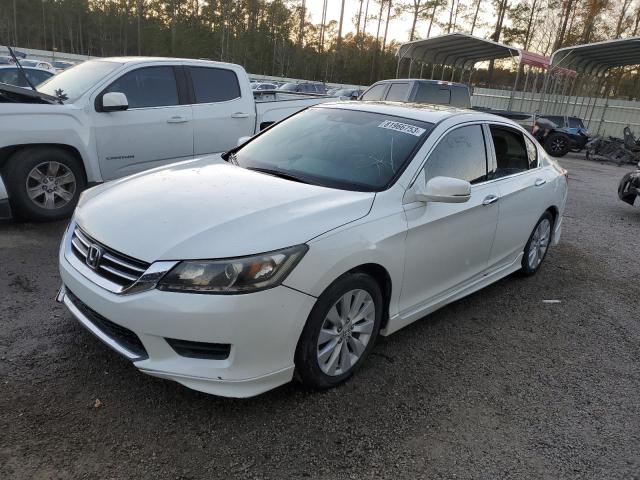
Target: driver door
x: 448, y: 244
x: 155, y: 130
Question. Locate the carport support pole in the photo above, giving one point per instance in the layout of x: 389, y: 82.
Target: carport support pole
x: 570, y: 94
x: 543, y: 91
x: 410, y: 65
x: 433, y: 70
x: 453, y: 72
x: 515, y: 85
x: 595, y: 101
x: 524, y: 89
x: 421, y: 68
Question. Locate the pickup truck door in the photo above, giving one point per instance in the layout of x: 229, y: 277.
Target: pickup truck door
x: 223, y: 110
x: 156, y: 129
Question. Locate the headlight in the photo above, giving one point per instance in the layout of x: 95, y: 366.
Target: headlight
x: 233, y: 275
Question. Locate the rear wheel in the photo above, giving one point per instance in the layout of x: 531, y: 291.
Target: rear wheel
x: 536, y: 248
x: 557, y: 144
x: 340, y: 331
x: 44, y: 183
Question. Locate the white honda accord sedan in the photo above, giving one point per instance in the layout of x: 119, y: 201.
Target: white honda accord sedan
x: 294, y: 251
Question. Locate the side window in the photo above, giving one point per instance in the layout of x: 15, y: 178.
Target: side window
x: 375, y: 92
x: 398, y: 92
x: 433, y: 93
x: 532, y: 153
x: 214, y: 84
x: 460, y: 154
x: 511, y: 153
x: 148, y: 87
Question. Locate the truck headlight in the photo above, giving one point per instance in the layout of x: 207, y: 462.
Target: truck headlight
x: 233, y: 275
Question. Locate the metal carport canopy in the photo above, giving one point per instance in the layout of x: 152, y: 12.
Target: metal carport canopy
x: 595, y: 58
x: 455, y: 49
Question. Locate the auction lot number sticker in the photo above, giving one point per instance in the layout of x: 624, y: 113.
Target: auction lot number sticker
x: 402, y: 127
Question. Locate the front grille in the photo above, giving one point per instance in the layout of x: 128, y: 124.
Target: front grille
x: 118, y: 333
x: 207, y: 351
x: 114, y: 266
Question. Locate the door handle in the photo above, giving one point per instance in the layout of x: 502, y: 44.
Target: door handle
x: 540, y: 182
x: 239, y: 115
x: 177, y: 119
x: 489, y: 199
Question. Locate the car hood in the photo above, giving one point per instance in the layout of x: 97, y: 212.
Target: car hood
x: 210, y: 209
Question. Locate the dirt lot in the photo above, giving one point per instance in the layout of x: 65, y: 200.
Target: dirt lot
x: 498, y: 385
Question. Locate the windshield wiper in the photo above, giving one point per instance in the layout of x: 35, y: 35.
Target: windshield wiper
x: 279, y: 173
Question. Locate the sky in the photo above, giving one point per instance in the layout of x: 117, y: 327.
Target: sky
x: 398, y: 29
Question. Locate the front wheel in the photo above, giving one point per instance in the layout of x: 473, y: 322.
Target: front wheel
x: 44, y: 183
x: 557, y: 144
x: 536, y: 248
x: 340, y: 331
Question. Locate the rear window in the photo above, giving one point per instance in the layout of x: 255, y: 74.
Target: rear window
x: 433, y: 93
x: 214, y: 84
x: 575, y: 122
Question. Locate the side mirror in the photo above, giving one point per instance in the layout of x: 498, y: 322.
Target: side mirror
x: 242, y: 140
x: 114, y: 102
x: 444, y: 190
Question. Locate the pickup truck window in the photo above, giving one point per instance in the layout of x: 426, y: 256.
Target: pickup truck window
x: 337, y: 148
x: 148, y: 87
x: 75, y: 81
x: 460, y: 154
x: 375, y: 93
x: 398, y: 92
x: 214, y: 84
x: 433, y: 93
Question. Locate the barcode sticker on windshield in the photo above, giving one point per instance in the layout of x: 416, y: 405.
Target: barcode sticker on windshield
x: 402, y: 127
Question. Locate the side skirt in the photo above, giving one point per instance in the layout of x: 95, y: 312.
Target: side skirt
x: 408, y: 316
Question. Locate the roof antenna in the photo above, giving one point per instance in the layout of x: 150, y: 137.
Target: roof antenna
x: 24, y: 75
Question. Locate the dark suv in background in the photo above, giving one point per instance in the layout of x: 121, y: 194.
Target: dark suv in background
x: 436, y: 92
x: 305, y: 87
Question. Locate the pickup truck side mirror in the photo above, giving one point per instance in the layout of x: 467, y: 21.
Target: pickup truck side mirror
x: 444, y: 190
x: 114, y: 102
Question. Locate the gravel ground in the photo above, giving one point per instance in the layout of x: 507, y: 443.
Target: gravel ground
x: 497, y: 385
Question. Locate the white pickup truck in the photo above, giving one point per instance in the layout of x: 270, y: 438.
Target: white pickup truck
x: 112, y: 117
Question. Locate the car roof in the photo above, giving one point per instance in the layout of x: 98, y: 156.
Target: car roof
x: 134, y: 60
x: 418, y: 111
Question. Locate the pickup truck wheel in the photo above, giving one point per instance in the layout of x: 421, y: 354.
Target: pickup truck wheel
x: 557, y: 144
x: 44, y: 183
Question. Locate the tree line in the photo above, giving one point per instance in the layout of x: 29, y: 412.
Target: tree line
x: 277, y: 37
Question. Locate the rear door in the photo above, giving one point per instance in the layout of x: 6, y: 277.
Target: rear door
x: 222, y: 111
x: 155, y: 130
x: 520, y: 180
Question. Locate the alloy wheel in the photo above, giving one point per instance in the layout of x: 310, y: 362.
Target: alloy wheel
x: 51, y: 185
x: 345, y: 332
x: 539, y: 243
x: 558, y: 145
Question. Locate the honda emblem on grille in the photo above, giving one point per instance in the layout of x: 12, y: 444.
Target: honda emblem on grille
x: 93, y: 256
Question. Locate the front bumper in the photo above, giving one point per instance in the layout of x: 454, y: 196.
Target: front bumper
x: 261, y: 328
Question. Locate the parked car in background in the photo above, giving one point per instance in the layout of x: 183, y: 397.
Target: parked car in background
x: 347, y: 93
x: 264, y: 86
x: 574, y: 128
x: 4, y: 60
x: 108, y: 118
x: 11, y: 75
x: 434, y: 92
x: 38, y: 64
x: 629, y: 186
x: 60, y: 65
x: 305, y: 87
x: 343, y: 222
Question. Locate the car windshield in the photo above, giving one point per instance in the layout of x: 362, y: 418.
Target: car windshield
x: 75, y: 81
x: 28, y: 63
x: 289, y: 86
x: 336, y: 148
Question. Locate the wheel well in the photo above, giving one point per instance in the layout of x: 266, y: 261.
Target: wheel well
x: 554, y: 212
x: 381, y: 276
x: 6, y: 152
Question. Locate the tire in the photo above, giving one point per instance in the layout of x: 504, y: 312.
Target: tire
x: 624, y: 193
x: 557, y: 144
x: 55, y: 172
x: 537, y: 248
x: 321, y: 370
